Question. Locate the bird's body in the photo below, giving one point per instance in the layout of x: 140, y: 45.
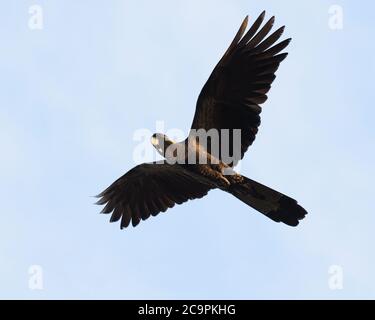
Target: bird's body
x: 224, y: 126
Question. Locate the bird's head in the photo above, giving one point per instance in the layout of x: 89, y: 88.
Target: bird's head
x: 161, y: 142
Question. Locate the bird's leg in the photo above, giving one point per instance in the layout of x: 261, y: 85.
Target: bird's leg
x: 214, y: 174
x: 232, y: 176
x: 235, y: 178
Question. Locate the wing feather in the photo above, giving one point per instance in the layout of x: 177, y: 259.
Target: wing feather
x: 240, y: 82
x: 149, y: 189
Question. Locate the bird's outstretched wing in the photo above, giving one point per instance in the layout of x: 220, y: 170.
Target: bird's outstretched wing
x: 149, y: 189
x: 238, y: 85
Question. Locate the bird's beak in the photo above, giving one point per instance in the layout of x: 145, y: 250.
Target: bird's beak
x: 154, y: 141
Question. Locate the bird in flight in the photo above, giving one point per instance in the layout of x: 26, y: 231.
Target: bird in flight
x: 229, y: 103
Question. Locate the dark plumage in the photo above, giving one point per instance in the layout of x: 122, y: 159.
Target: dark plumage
x: 230, y: 99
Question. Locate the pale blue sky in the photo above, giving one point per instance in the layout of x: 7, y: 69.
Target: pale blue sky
x: 72, y: 96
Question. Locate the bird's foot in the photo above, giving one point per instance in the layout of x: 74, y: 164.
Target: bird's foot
x: 235, y: 178
x: 221, y: 180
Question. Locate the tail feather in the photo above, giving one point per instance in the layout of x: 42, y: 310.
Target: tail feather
x: 271, y: 203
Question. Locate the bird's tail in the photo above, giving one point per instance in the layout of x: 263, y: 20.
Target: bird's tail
x: 271, y: 203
